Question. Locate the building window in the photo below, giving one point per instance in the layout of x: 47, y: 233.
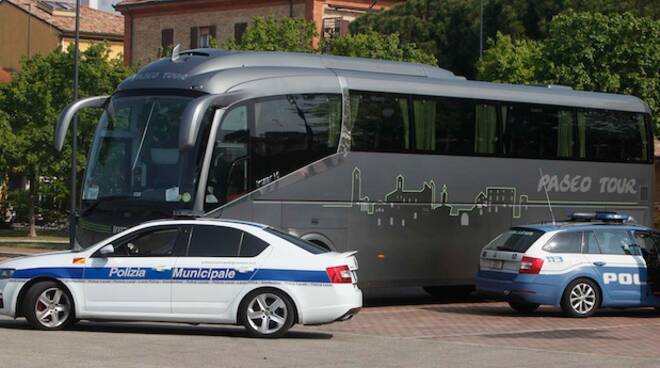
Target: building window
x: 239, y: 31
x: 201, y: 36
x: 335, y: 27
x: 166, y: 38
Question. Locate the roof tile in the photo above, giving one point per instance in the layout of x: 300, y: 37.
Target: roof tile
x: 91, y: 20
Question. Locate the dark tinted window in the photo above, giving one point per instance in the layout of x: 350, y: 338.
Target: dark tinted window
x: 214, y: 241
x: 228, y: 172
x: 291, y: 132
x: 535, y: 131
x: 515, y: 240
x: 251, y: 246
x: 613, y: 136
x: 567, y: 242
x: 308, y: 246
x: 380, y: 122
x: 614, y: 241
x: 156, y: 243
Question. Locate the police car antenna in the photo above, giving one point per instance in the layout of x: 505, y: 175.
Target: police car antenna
x: 547, y: 197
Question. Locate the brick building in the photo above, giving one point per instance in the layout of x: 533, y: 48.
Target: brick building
x: 29, y: 27
x: 152, y: 24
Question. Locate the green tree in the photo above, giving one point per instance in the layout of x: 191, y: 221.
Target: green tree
x: 616, y: 53
x: 377, y: 46
x: 510, y: 61
x: 276, y: 34
x: 450, y: 28
x: 33, y: 100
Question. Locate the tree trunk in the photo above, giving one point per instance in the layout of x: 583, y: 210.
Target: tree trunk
x: 32, y: 216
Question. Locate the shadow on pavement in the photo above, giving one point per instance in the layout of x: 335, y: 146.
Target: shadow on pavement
x: 164, y: 329
x: 503, y: 310
x: 383, y: 297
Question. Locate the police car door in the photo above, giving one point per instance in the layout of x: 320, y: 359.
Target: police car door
x: 135, y: 279
x: 214, y: 271
x: 649, y: 246
x: 612, y: 253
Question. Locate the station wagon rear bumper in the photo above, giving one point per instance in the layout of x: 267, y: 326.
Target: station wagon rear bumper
x: 536, y: 289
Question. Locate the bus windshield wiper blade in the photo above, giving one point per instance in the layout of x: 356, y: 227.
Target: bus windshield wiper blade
x: 104, y: 200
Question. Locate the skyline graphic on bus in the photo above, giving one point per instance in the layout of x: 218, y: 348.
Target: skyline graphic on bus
x: 423, y: 202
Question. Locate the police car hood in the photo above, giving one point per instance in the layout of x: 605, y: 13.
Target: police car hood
x: 52, y: 259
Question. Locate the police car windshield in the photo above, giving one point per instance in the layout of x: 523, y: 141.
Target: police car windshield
x: 304, y: 244
x: 515, y: 240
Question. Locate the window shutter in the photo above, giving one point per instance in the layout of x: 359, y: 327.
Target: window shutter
x: 194, y: 37
x: 343, y: 27
x: 212, y: 30
x: 239, y: 31
x: 167, y: 37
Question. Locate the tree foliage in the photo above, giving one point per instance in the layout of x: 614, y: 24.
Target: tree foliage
x: 378, y: 46
x: 297, y: 35
x: 276, y: 34
x: 450, y: 28
x: 617, y: 53
x: 32, y: 102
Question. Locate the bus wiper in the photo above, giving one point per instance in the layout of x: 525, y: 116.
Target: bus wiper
x: 104, y: 200
x: 302, y: 115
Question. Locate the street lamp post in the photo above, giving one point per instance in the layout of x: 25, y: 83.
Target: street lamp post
x: 481, y: 29
x: 73, y: 216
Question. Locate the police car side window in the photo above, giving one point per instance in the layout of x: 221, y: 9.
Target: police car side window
x: 648, y: 243
x: 214, y: 241
x: 251, y: 246
x: 590, y: 243
x: 566, y: 242
x: 157, y: 243
x: 615, y: 241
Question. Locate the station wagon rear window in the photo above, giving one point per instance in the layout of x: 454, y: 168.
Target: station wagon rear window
x: 515, y: 240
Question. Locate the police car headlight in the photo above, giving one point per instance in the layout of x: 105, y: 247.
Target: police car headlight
x: 6, y: 273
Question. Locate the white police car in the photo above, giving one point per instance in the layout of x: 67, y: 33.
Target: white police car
x: 594, y: 260
x: 190, y: 270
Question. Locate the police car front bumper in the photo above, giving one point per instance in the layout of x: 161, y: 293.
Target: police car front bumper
x: 514, y: 287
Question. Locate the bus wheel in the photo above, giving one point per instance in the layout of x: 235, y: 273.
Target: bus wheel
x: 522, y: 307
x: 581, y: 298
x: 449, y: 292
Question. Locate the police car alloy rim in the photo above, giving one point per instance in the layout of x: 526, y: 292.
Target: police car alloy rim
x: 267, y: 313
x: 53, y: 307
x: 583, y: 298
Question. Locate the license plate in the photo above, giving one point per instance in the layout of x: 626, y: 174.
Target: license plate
x: 496, y: 264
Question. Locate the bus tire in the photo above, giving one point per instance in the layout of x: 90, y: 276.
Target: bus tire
x: 581, y: 298
x: 523, y: 307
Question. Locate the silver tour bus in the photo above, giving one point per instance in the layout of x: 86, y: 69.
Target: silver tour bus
x: 414, y: 167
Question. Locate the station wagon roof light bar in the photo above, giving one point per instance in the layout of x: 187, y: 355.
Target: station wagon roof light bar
x: 602, y: 216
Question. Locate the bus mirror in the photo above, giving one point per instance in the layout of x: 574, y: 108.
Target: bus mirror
x: 64, y: 120
x: 192, y: 117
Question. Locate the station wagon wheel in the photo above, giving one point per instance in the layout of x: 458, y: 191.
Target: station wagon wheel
x: 267, y: 313
x: 48, y: 306
x: 581, y: 298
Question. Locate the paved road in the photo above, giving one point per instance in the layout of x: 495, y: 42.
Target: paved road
x: 417, y: 332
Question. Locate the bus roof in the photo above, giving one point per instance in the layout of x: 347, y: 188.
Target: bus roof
x: 257, y: 74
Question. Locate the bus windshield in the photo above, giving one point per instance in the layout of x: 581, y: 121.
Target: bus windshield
x: 135, y: 155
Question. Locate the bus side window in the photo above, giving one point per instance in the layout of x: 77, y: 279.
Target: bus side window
x: 380, y: 122
x: 292, y: 131
x: 444, y: 126
x: 612, y: 136
x: 227, y: 178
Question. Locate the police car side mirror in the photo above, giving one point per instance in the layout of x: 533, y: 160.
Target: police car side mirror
x: 106, y: 250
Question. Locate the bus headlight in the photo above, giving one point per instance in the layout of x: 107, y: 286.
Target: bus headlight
x: 6, y: 273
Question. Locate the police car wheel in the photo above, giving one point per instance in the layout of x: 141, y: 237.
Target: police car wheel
x: 267, y: 313
x: 48, y: 306
x: 522, y: 307
x: 581, y: 298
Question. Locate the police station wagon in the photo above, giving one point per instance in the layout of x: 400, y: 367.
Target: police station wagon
x: 592, y: 261
x: 193, y: 271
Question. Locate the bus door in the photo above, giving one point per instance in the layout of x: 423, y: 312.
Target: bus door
x: 649, y: 246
